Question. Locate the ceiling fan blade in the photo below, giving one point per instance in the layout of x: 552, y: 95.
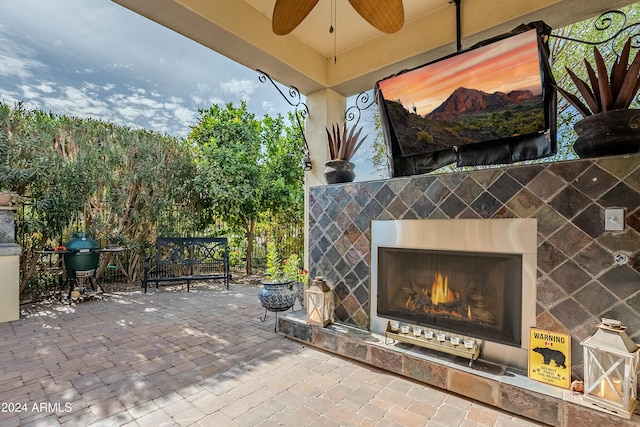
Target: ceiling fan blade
x: 288, y: 14
x: 385, y: 15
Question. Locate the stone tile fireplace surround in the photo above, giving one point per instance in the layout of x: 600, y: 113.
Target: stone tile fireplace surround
x: 578, y: 281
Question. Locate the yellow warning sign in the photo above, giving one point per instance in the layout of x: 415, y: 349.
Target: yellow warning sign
x: 550, y: 357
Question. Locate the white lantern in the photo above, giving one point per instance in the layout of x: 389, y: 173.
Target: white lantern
x: 319, y: 303
x: 611, y: 369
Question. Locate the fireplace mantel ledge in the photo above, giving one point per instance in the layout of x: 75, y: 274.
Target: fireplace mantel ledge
x: 504, y: 387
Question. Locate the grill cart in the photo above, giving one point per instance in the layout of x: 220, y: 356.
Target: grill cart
x: 81, y: 256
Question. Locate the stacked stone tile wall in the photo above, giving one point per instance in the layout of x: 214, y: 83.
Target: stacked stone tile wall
x: 7, y: 225
x: 578, y: 280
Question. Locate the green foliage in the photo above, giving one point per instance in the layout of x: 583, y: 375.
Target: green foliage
x: 41, y: 162
x: 284, y: 192
x: 235, y: 260
x: 274, y: 264
x: 292, y: 269
x: 228, y: 170
x: 115, y: 183
x: 247, y: 169
x: 289, y: 269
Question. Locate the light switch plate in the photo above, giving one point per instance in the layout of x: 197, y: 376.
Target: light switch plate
x: 614, y: 219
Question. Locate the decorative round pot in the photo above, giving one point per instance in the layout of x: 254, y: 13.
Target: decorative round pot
x: 337, y: 171
x: 277, y: 296
x: 611, y: 133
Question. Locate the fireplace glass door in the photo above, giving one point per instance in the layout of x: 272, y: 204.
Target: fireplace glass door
x: 469, y: 293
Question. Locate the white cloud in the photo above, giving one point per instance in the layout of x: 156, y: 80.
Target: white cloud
x: 30, y: 92
x: 216, y: 101
x: 128, y: 112
x: 46, y: 87
x: 76, y: 102
x: 268, y: 107
x: 17, y: 67
x: 11, y: 98
x: 241, y: 88
x: 186, y: 116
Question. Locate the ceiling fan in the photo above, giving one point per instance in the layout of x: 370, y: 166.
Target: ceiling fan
x: 386, y: 15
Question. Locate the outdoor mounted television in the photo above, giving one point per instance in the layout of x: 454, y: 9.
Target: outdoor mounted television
x: 491, y: 104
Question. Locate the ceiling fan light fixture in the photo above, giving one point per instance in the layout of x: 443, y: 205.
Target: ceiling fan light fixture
x: 288, y: 14
x: 385, y: 15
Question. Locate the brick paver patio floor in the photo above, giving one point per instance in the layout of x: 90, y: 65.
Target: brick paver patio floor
x: 199, y: 359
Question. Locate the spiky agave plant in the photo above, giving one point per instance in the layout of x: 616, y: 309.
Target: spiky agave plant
x: 343, y: 143
x: 602, y: 92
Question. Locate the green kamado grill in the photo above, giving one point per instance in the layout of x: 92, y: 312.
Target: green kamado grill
x: 83, y: 254
x: 81, y: 261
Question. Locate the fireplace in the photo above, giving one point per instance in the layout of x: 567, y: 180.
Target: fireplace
x: 474, y: 278
x: 478, y: 293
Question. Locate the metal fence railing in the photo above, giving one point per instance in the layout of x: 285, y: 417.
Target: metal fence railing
x: 126, y: 266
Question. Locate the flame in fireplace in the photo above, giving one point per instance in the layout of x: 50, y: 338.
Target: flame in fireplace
x: 440, y: 292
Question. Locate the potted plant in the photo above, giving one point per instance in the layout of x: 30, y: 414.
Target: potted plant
x: 609, y: 126
x: 277, y: 292
x: 343, y: 144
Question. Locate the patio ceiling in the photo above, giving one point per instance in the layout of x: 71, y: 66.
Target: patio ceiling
x: 241, y: 30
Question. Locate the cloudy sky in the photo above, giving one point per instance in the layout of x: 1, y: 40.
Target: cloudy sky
x: 94, y: 58
x: 97, y: 59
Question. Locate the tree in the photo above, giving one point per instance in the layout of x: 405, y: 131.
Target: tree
x: 40, y: 162
x: 148, y: 177
x: 284, y: 194
x: 228, y: 172
x: 246, y: 168
x: 113, y: 182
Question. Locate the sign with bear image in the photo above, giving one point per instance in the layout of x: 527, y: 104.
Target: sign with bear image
x: 550, y: 357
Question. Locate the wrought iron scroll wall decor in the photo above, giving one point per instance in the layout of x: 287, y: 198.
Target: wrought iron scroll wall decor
x: 294, y: 99
x: 364, y: 100
x: 604, y: 23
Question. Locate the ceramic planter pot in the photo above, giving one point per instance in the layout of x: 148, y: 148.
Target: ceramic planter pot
x: 339, y: 171
x: 611, y: 133
x: 277, y: 295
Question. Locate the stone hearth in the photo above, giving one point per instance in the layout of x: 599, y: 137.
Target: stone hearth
x: 500, y: 386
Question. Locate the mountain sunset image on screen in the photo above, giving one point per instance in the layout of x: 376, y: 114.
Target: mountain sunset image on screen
x: 487, y: 93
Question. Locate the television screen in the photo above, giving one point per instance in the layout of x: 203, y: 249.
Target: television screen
x: 473, y: 107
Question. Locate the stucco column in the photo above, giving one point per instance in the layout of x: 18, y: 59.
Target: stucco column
x: 325, y: 107
x: 9, y: 267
